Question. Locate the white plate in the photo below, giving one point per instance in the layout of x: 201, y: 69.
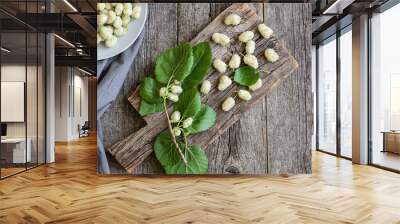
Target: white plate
x: 134, y: 29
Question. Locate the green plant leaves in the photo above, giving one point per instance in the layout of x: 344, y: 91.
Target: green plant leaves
x: 246, y: 76
x: 176, y: 62
x: 147, y: 108
x: 188, y: 65
x: 165, y: 149
x: 170, y: 159
x: 150, y: 90
x: 202, y: 59
x: 197, y: 162
x: 189, y: 103
x: 203, y: 120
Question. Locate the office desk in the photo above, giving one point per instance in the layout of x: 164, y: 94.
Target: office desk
x: 13, y: 150
x: 391, y: 141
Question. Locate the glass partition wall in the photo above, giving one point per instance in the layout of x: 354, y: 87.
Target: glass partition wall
x: 346, y: 76
x: 327, y: 96
x: 385, y: 89
x: 334, y: 94
x: 22, y: 77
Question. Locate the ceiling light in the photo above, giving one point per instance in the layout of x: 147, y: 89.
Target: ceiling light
x: 84, y: 71
x: 70, y: 5
x: 64, y: 40
x: 5, y: 50
x: 337, y: 7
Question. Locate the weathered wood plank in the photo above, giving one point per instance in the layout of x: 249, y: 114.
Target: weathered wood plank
x: 131, y: 151
x: 121, y: 119
x: 288, y: 106
x: 247, y: 137
x: 218, y: 151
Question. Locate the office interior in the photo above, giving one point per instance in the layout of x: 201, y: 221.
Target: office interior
x: 48, y: 81
x: 356, y: 81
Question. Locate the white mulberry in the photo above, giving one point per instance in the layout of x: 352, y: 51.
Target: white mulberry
x: 250, y: 60
x: 110, y: 42
x: 128, y: 11
x: 205, y: 87
x: 176, y: 89
x: 101, y: 6
x: 101, y: 19
x: 232, y: 19
x: 265, y: 31
x: 119, y: 7
x: 246, y: 36
x: 271, y: 55
x: 220, y: 39
x: 111, y: 17
x: 120, y: 31
x: 175, y: 116
x: 173, y: 97
x: 126, y: 19
x: 117, y: 22
x: 250, y: 46
x: 219, y: 65
x: 228, y: 104
x: 106, y: 32
x: 244, y: 95
x: 235, y: 61
x: 187, y: 122
x: 177, y: 131
x: 163, y: 92
x: 136, y: 12
x: 224, y: 82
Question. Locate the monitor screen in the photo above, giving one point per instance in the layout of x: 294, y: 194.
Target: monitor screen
x: 3, y: 129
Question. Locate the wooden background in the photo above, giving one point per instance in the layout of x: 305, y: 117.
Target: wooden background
x: 273, y: 137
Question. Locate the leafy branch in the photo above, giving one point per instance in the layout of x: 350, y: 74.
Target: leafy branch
x: 178, y: 72
x: 172, y: 134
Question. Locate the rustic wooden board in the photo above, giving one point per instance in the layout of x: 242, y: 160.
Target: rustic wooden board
x: 243, y: 147
x: 290, y: 107
x: 133, y: 150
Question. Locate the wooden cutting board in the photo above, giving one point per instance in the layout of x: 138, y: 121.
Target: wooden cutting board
x: 132, y: 150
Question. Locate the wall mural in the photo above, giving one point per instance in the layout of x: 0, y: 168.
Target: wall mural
x: 170, y: 101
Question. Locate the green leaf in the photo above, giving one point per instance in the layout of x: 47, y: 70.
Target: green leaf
x: 176, y: 62
x: 197, y: 162
x: 189, y: 103
x: 202, y: 59
x: 165, y: 150
x: 246, y: 76
x: 203, y: 120
x: 147, y: 108
x: 150, y: 90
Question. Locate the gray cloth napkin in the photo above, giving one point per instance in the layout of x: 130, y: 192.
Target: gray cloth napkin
x: 111, y: 74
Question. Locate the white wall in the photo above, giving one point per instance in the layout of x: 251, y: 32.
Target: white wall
x: 71, y: 94
x: 61, y: 103
x: 16, y: 73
